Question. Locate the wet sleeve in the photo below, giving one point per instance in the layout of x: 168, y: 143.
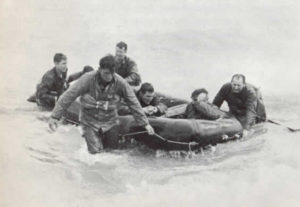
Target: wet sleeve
x: 66, y: 99
x: 220, y: 97
x: 133, y: 104
x: 133, y: 77
x: 251, y: 103
x: 208, y: 110
x: 74, y: 76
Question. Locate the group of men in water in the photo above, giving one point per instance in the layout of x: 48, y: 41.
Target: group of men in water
x: 111, y: 90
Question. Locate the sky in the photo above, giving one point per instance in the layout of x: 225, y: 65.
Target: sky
x: 199, y: 43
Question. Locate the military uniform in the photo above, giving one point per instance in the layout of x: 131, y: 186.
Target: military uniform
x: 50, y: 88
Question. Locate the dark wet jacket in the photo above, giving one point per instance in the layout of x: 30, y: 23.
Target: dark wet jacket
x: 129, y: 71
x: 50, y: 88
x: 243, y: 105
x: 105, y: 116
x: 203, y: 110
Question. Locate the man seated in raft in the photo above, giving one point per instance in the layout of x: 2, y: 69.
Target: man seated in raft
x: 125, y: 66
x: 77, y: 75
x: 200, y: 108
x: 244, y: 101
x: 150, y: 103
x: 53, y: 83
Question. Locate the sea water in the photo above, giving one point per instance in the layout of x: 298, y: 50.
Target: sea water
x: 179, y: 46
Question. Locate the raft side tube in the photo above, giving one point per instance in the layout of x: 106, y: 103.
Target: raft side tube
x: 185, y: 130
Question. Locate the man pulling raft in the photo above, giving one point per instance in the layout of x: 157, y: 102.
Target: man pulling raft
x: 99, y: 93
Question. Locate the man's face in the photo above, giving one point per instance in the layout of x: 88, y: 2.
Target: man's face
x: 147, y: 97
x: 237, y: 85
x: 202, y: 97
x: 61, y: 66
x: 120, y: 53
x: 106, y: 75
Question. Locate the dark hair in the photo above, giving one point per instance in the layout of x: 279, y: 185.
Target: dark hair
x: 59, y: 57
x: 146, y: 87
x: 122, y: 45
x: 196, y: 93
x: 239, y: 76
x: 108, y: 62
x: 87, y: 69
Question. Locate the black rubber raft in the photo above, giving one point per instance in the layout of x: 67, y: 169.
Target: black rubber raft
x: 176, y: 133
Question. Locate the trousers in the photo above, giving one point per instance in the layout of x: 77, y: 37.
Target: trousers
x: 97, y: 141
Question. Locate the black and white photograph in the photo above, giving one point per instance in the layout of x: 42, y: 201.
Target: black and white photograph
x: 127, y: 103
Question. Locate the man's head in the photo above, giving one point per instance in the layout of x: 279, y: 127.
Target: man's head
x: 147, y: 93
x: 200, y: 94
x: 238, y: 82
x: 87, y: 69
x: 107, y: 68
x: 60, y: 62
x: 121, y: 50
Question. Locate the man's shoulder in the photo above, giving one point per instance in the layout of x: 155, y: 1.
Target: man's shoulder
x: 226, y: 88
x: 50, y: 72
x: 190, y: 105
x: 227, y: 85
x: 129, y: 60
x: 250, y: 88
x: 90, y: 74
x: 119, y: 79
x: 49, y: 75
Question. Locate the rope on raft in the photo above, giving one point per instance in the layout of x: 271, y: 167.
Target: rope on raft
x: 189, y: 144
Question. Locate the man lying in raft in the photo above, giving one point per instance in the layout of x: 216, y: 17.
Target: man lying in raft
x: 99, y: 93
x: 200, y: 108
x: 53, y: 83
x: 149, y: 101
x: 243, y: 100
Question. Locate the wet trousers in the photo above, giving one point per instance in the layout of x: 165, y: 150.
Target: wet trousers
x: 98, y: 140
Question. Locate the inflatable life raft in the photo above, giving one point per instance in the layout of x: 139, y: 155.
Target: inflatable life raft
x: 177, y: 133
x: 185, y: 134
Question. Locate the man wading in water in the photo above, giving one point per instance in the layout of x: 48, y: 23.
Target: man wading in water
x: 99, y: 92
